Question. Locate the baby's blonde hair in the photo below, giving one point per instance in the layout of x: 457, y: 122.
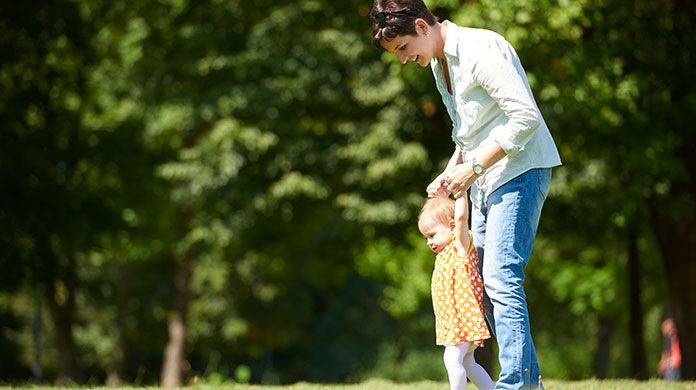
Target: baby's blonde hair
x: 439, y: 209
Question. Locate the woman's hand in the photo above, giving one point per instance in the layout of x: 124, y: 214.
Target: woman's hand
x: 438, y: 186
x: 459, y: 179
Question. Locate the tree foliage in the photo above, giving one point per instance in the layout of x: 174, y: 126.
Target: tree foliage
x: 269, y: 150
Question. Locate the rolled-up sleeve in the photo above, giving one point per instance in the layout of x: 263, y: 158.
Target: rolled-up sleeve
x: 497, y: 73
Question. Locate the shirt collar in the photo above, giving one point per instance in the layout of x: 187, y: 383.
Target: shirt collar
x: 451, y: 40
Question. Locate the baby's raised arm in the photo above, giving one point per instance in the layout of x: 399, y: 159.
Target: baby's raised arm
x: 438, y: 184
x: 461, y: 223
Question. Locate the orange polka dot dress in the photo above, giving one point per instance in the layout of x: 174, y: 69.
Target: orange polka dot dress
x: 457, y: 292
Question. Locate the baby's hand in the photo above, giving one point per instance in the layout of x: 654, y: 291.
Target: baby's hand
x: 443, y: 191
x: 438, y: 187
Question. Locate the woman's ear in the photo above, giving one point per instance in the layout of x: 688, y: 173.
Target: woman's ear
x: 421, y: 26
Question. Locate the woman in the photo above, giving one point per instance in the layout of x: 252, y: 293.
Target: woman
x: 503, y: 152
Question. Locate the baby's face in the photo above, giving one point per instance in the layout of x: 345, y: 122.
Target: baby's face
x: 437, y: 235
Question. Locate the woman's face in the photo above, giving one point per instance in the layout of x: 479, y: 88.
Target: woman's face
x: 417, y: 48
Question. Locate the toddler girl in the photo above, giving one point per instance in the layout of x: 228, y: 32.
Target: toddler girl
x: 456, y: 288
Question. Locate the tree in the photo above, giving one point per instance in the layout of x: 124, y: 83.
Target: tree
x: 249, y: 174
x: 80, y: 178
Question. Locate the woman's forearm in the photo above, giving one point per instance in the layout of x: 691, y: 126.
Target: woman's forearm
x: 455, y: 159
x: 490, y: 154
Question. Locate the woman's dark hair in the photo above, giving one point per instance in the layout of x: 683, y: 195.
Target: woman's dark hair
x: 391, y: 18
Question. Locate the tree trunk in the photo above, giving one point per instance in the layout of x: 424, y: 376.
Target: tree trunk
x: 638, y: 367
x: 674, y: 221
x: 115, y: 374
x: 174, y: 352
x: 605, y: 327
x: 61, y: 303
x: 36, y: 368
x: 677, y: 240
x: 673, y: 216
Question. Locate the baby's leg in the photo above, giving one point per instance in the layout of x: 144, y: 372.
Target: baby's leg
x: 476, y: 373
x: 454, y: 356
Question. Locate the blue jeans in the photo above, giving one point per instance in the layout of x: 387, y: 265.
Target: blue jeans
x: 504, y: 225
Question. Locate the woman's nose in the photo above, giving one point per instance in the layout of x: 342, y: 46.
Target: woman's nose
x: 403, y: 58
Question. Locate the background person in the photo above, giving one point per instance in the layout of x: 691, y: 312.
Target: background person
x: 670, y: 361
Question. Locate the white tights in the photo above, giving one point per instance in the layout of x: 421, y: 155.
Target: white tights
x: 460, y: 363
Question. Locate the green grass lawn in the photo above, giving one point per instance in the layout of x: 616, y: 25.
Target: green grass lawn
x: 592, y: 384
x: 430, y: 385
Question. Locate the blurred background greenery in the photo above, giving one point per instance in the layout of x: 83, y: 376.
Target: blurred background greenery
x: 227, y: 189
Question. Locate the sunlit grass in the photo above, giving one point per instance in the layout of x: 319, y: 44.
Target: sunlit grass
x: 592, y: 384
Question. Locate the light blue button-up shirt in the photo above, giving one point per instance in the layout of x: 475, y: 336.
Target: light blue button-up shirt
x: 491, y: 101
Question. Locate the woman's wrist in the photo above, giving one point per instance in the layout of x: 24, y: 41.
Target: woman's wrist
x: 476, y: 167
